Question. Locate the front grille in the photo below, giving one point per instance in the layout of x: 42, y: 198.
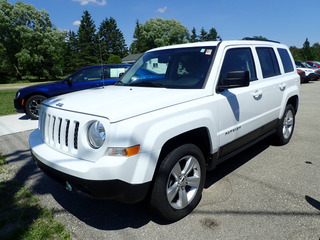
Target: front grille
x: 59, y: 133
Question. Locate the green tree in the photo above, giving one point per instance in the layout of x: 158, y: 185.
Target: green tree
x: 203, y: 35
x: 87, y: 42
x: 111, y: 40
x: 296, y: 53
x: 158, y: 32
x: 316, y: 50
x: 114, y: 59
x: 260, y: 37
x: 29, y: 40
x: 307, y: 53
x: 213, y: 35
x: 70, y: 53
x: 194, y: 37
x: 139, y: 44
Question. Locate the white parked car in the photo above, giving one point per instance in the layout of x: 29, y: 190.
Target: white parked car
x: 177, y: 112
x: 312, y: 73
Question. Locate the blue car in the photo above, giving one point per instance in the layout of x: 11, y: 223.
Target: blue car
x: 28, y: 99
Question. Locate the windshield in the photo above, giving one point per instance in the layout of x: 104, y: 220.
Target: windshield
x: 171, y: 68
x: 307, y: 65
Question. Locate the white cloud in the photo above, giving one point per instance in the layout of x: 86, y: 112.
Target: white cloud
x: 162, y: 10
x: 85, y: 2
x: 76, y: 23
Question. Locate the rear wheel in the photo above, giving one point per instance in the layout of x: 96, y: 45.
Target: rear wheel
x: 179, y: 183
x: 286, y: 126
x: 33, y: 104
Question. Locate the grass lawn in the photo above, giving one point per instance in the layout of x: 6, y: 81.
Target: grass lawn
x: 21, y: 216
x: 6, y: 101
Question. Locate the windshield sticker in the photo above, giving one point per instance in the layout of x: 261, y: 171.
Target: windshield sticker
x: 209, y: 51
x: 203, y: 50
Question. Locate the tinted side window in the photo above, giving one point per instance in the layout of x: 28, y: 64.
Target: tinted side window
x: 113, y: 72
x: 268, y: 62
x: 88, y: 74
x: 286, y: 60
x: 238, y: 59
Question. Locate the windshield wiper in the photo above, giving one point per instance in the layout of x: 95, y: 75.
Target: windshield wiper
x: 147, y: 84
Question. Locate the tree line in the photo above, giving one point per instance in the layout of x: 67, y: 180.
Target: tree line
x: 31, y: 46
x: 307, y: 52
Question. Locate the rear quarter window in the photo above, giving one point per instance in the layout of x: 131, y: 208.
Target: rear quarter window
x: 286, y: 60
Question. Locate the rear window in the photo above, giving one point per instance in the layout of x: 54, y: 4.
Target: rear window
x: 268, y: 62
x: 286, y: 60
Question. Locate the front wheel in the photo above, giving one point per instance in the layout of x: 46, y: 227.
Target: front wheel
x: 179, y: 183
x: 33, y: 104
x: 286, y: 126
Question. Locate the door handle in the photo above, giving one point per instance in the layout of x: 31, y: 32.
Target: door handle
x: 282, y: 86
x: 257, y: 94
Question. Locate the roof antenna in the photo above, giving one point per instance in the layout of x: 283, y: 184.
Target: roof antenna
x: 102, y: 70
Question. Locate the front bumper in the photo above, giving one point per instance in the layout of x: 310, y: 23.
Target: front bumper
x: 108, y: 189
x: 94, y: 179
x: 18, y: 105
x: 312, y: 76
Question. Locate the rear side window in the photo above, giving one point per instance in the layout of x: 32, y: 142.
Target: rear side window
x: 268, y: 62
x: 238, y: 59
x: 286, y: 60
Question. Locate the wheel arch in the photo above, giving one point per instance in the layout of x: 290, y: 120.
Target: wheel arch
x: 26, y: 98
x: 294, y: 101
x: 199, y: 137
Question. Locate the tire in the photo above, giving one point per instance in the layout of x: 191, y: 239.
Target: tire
x: 178, y: 183
x: 33, y: 104
x: 286, y: 126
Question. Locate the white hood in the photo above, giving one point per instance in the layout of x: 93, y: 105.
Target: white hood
x: 118, y: 102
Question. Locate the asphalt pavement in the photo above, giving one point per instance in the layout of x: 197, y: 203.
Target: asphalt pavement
x: 265, y: 192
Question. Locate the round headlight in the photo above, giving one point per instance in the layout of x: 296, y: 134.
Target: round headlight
x: 96, y: 134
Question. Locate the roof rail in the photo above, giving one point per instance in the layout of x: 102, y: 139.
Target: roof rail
x: 259, y: 39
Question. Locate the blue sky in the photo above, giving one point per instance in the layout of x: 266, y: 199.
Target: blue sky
x: 287, y: 21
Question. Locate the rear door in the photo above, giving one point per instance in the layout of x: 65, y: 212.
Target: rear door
x: 274, y: 82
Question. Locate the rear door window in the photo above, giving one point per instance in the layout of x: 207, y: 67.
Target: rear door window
x: 268, y: 61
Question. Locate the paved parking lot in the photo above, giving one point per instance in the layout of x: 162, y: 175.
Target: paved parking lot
x: 266, y: 192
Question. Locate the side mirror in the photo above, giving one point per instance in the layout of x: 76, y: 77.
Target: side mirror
x: 235, y: 79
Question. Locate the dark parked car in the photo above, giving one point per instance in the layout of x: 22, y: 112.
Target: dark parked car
x: 28, y: 99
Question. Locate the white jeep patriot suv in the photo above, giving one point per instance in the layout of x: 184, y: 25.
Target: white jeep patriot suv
x: 177, y: 112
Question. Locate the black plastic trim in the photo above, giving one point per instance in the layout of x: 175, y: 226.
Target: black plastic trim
x: 229, y: 150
